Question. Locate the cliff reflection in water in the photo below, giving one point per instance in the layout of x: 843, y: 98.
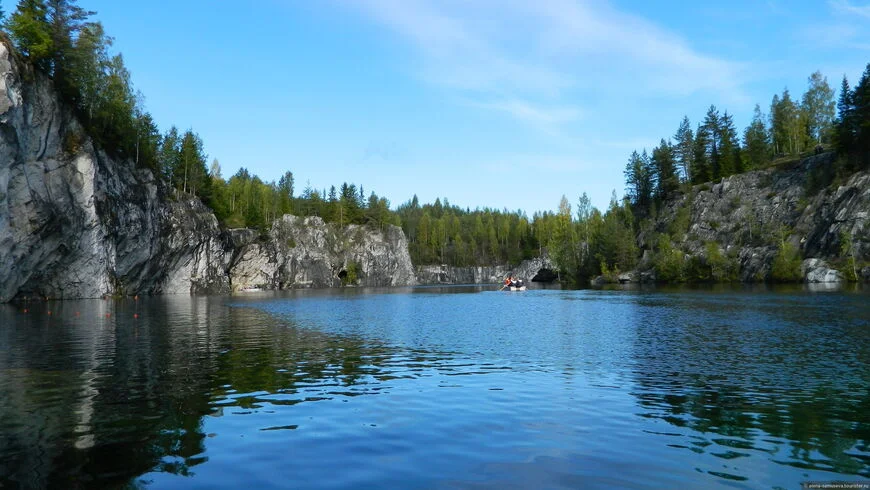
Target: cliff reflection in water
x: 747, y: 375
x: 92, y: 397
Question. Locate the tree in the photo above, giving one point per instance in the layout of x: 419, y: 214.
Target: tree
x: 684, y: 148
x: 713, y: 130
x: 193, y: 172
x: 730, y: 158
x: 700, y: 170
x: 785, y: 125
x: 66, y: 22
x: 818, y: 105
x: 30, y: 30
x: 665, y: 166
x: 563, y: 244
x: 169, y: 155
x: 285, y: 192
x: 845, y: 127
x: 756, y: 142
x: 639, y: 183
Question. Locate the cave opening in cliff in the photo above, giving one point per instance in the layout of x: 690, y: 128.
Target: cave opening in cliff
x: 342, y: 274
x: 545, y: 275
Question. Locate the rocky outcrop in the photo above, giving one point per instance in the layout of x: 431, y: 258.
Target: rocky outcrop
x: 818, y: 271
x: 539, y: 269
x: 77, y: 223
x: 306, y: 252
x: 750, y: 215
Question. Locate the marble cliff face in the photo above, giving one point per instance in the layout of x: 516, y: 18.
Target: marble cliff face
x: 76, y: 223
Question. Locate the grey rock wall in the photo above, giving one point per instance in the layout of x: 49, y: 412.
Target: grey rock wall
x: 747, y: 213
x: 306, y: 252
x: 76, y: 223
x: 526, y: 270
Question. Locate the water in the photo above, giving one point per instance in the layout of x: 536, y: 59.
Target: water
x: 437, y: 388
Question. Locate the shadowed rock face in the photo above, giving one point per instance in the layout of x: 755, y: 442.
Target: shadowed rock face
x: 76, y: 223
x: 529, y: 270
x: 744, y: 214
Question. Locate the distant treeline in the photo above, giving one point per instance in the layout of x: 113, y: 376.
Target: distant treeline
x: 57, y: 38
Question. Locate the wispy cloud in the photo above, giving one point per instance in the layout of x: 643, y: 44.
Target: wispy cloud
x: 531, y: 113
x: 526, y: 58
x: 844, y: 7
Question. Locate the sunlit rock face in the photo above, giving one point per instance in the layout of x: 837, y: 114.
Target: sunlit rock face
x: 77, y: 223
x: 749, y: 215
x: 306, y: 252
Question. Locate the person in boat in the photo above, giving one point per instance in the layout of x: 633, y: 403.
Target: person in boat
x: 509, y: 281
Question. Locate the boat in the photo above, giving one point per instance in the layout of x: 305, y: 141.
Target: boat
x: 517, y: 285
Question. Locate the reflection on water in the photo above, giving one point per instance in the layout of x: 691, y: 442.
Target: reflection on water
x: 437, y: 387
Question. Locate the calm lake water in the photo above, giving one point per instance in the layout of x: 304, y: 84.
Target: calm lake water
x: 460, y: 387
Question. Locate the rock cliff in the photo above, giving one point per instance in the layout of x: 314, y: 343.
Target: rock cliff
x: 540, y: 269
x: 748, y: 216
x: 76, y: 223
x: 306, y: 252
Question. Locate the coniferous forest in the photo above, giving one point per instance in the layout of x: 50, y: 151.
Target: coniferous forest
x: 63, y: 41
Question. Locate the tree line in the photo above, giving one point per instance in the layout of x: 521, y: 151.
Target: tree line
x: 714, y: 149
x: 58, y: 39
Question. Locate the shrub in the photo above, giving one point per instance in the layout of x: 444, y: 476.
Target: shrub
x: 787, y: 264
x: 354, y: 271
x: 668, y: 262
x: 722, y: 267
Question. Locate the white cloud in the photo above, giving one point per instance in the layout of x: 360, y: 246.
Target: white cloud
x: 531, y: 56
x: 531, y: 113
x: 844, y: 7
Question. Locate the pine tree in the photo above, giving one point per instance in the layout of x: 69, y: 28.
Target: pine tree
x: 639, y: 181
x: 67, y: 20
x: 730, y: 158
x: 30, y: 30
x: 756, y: 141
x: 666, y: 169
x: 684, y: 149
x: 860, y: 119
x: 713, y: 129
x: 845, y: 130
x: 700, y: 170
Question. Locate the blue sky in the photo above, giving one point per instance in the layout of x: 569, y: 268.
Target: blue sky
x: 498, y: 103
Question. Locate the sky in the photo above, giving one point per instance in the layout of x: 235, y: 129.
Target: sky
x: 507, y: 104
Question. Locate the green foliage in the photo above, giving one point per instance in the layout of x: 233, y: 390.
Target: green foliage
x: 722, y: 267
x: 852, y: 128
x: 682, y: 220
x: 353, y: 274
x: 684, y: 149
x: 30, y: 30
x: 57, y: 38
x: 786, y: 265
x: 756, y: 141
x: 818, y: 107
x: 640, y: 181
x: 668, y: 261
x: 847, y: 251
